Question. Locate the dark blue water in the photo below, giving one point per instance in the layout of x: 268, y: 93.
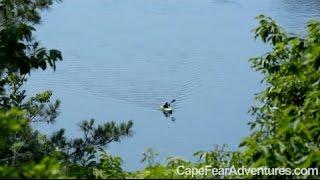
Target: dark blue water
x: 123, y: 58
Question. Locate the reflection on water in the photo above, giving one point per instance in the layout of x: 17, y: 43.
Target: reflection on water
x: 167, y: 114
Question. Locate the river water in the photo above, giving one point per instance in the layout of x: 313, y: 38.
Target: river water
x: 123, y: 58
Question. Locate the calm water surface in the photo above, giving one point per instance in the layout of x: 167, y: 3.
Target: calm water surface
x: 122, y: 58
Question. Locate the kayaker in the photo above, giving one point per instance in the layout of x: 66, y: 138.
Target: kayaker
x: 166, y: 105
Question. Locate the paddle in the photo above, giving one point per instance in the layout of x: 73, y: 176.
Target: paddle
x: 172, y: 101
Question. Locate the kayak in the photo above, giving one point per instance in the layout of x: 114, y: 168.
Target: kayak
x: 167, y: 110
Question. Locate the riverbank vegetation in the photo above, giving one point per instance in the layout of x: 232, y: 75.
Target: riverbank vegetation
x: 285, y: 126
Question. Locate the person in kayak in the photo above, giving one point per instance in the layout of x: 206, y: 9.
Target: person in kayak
x: 166, y: 105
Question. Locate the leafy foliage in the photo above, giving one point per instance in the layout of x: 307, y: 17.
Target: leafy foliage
x: 45, y: 169
x: 286, y: 127
x: 109, y: 167
x: 219, y: 157
x: 12, y: 123
x: 81, y: 154
x: 19, y: 52
x: 25, y: 152
x: 149, y: 156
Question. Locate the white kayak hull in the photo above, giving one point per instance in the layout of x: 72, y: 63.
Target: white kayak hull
x: 168, y: 110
